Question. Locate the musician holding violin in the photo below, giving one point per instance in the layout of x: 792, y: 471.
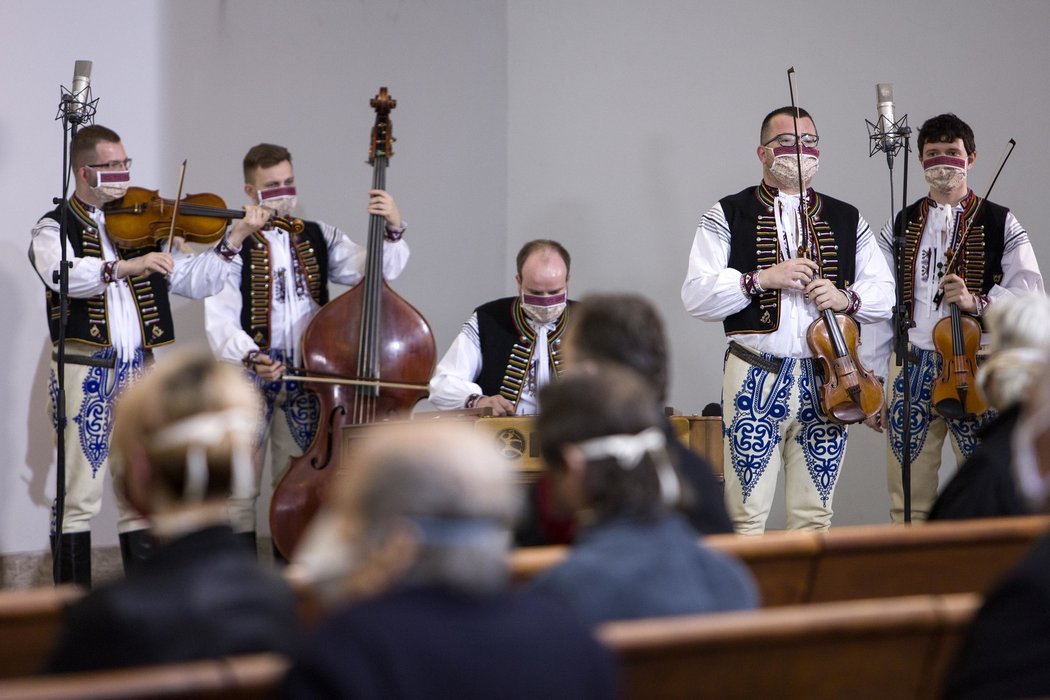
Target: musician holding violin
x: 962, y: 253
x: 773, y: 266
x: 273, y: 289
x: 119, y: 312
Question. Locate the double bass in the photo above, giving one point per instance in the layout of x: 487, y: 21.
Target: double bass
x: 368, y: 355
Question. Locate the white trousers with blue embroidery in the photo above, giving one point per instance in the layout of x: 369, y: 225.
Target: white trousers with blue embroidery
x: 90, y: 392
x: 773, y: 423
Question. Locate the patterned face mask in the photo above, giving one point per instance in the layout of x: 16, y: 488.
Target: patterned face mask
x: 543, y: 309
x: 785, y: 165
x: 944, y: 173
x: 110, y: 185
x: 281, y: 200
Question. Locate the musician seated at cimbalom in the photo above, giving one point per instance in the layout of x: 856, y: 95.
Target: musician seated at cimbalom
x: 993, y: 259
x: 984, y: 485
x: 602, y: 436
x: 411, y: 553
x: 1007, y: 650
x: 182, y: 440
x: 768, y: 267
x: 509, y: 348
x: 626, y: 329
x: 272, y: 290
x: 119, y: 311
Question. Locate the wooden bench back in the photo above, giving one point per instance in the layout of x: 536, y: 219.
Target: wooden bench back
x: 893, y: 648
x: 29, y: 623
x: 246, y: 677
x: 866, y: 561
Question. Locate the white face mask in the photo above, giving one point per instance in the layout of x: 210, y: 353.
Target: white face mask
x: 785, y: 165
x: 110, y: 185
x: 281, y: 200
x: 944, y: 174
x: 543, y: 309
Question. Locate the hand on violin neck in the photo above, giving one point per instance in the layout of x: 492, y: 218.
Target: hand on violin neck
x: 826, y: 295
x: 381, y: 203
x: 255, y: 217
x: 955, y: 292
x: 794, y: 273
x: 149, y: 263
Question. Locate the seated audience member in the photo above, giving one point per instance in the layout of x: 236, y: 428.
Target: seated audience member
x: 182, y: 437
x: 414, y: 543
x: 1007, y: 651
x: 601, y: 433
x: 626, y: 329
x: 1019, y: 329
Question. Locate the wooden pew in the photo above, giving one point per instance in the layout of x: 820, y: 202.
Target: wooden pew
x: 29, y: 622
x: 866, y: 561
x: 244, y: 677
x: 893, y: 648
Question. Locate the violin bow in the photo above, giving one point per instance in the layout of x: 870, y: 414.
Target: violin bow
x: 952, y: 265
x: 802, y: 249
x: 175, y: 207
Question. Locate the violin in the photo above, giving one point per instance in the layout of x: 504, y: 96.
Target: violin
x: 142, y: 218
x: 957, y: 336
x: 850, y: 393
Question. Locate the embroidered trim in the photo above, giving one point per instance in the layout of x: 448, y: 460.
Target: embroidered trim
x: 521, y: 353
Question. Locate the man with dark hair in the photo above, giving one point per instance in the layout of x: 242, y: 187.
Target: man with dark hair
x: 273, y: 290
x: 995, y: 261
x: 118, y: 312
x: 602, y: 437
x: 626, y: 329
x: 767, y: 262
x: 509, y: 348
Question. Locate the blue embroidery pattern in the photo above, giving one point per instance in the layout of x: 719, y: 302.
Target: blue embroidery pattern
x: 302, y: 408
x: 754, y: 432
x: 922, y: 375
x: 823, y: 442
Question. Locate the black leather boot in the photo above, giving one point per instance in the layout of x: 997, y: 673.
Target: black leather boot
x: 74, y: 563
x: 135, y: 547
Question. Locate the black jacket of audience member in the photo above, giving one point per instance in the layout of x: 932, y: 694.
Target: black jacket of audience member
x: 707, y: 513
x: 201, y: 596
x: 983, y: 487
x: 1007, y: 651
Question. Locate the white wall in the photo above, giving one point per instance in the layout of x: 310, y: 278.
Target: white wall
x: 610, y: 125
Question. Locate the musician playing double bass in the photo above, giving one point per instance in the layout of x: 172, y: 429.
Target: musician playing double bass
x: 997, y: 261
x: 747, y: 269
x: 273, y: 289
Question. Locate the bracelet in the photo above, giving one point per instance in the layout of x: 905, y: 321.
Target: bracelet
x: 852, y: 302
x: 472, y: 401
x: 109, y: 272
x: 750, y: 285
x: 226, y: 251
x: 394, y: 234
x: 249, y: 359
x: 982, y: 301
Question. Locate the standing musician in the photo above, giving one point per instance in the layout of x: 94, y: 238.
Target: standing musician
x: 745, y: 270
x: 118, y: 312
x: 273, y: 289
x: 998, y: 262
x: 509, y: 348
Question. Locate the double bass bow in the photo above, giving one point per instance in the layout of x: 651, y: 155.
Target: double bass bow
x: 957, y: 336
x: 368, y: 355
x: 850, y: 392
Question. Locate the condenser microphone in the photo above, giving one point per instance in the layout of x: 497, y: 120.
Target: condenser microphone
x: 885, y: 126
x: 79, y: 92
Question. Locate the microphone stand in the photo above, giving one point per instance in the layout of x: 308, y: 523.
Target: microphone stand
x: 891, y: 141
x: 71, y: 121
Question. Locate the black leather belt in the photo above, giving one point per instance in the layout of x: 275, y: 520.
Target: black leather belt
x: 771, y: 365
x: 107, y: 362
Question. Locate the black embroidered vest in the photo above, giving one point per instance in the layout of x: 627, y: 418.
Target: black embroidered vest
x: 981, y: 264
x: 310, y: 254
x: 754, y: 245
x: 89, y: 318
x: 507, y: 345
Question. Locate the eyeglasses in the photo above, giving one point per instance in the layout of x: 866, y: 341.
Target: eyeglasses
x: 788, y: 140
x: 112, y: 165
